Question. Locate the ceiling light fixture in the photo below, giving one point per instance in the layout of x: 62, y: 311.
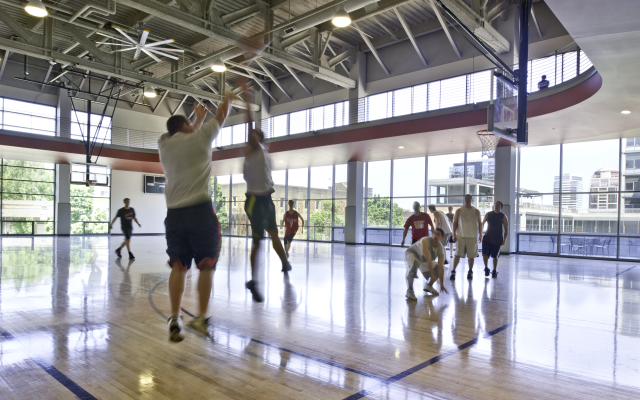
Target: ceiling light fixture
x: 218, y: 66
x: 341, y: 18
x: 149, y: 92
x: 625, y: 112
x: 36, y: 8
x: 401, y: 147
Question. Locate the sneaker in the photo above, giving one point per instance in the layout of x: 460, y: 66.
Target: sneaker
x: 470, y: 275
x: 487, y: 271
x: 200, y: 324
x: 429, y: 289
x: 494, y: 274
x: 453, y: 275
x: 446, y: 262
x: 287, y: 256
x: 286, y: 267
x: 175, y: 328
x: 257, y: 297
x: 118, y: 253
x: 131, y: 256
x: 410, y: 295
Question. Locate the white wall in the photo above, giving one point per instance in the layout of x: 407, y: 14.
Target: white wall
x: 150, y: 208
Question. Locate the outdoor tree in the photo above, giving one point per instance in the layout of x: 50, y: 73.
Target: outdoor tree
x: 378, y: 212
x: 29, y: 184
x: 321, y: 221
x: 221, y: 206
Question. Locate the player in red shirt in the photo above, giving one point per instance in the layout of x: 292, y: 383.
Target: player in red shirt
x: 419, y: 223
x: 290, y: 222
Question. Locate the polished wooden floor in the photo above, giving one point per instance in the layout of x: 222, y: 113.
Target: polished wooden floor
x: 76, y: 322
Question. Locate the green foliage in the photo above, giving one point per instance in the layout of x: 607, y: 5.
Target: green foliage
x: 221, y: 209
x: 85, y: 207
x: 378, y: 212
x: 23, y: 183
x: 321, y: 221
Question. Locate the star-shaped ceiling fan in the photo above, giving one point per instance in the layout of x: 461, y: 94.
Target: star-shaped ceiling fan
x: 150, y: 49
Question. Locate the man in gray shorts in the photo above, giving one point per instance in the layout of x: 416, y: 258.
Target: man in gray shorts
x: 422, y: 256
x: 467, y: 233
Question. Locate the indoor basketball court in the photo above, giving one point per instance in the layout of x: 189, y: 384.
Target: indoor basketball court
x: 335, y: 200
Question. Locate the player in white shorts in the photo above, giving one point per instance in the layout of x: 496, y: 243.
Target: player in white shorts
x: 467, y: 233
x: 422, y: 256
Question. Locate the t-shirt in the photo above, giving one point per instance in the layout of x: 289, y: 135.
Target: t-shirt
x: 444, y: 222
x: 435, y: 251
x: 450, y: 216
x: 543, y: 84
x: 257, y: 172
x: 291, y: 223
x: 186, y: 160
x: 419, y: 225
x: 468, y: 222
x: 126, y: 215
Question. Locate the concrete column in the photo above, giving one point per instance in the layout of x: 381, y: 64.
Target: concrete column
x: 63, y: 199
x: 64, y: 114
x: 505, y: 190
x: 358, y: 73
x: 353, y: 212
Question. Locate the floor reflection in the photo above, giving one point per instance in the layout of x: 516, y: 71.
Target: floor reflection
x: 339, y: 320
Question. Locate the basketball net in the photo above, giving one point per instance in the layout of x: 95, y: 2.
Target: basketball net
x: 489, y: 143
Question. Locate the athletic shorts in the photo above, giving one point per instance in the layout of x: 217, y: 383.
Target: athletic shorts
x: 262, y: 215
x: 193, y: 233
x: 413, y: 241
x: 451, y: 238
x: 415, y: 263
x: 467, y: 247
x: 490, y: 249
x: 288, y: 238
x: 127, y: 232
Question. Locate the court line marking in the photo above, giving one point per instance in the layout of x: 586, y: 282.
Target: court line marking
x: 330, y: 363
x: 412, y: 370
x: 54, y: 372
x: 626, y: 270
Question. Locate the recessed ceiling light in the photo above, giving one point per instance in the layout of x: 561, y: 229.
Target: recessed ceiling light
x: 341, y: 18
x: 625, y: 112
x: 280, y: 161
x: 401, y: 147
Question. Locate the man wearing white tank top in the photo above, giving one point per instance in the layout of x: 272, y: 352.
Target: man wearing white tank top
x: 467, y: 232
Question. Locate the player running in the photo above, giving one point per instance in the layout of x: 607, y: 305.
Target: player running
x: 192, y: 228
x: 496, y: 236
x: 126, y: 214
x: 422, y: 256
x: 419, y: 223
x: 290, y: 222
x: 259, y: 205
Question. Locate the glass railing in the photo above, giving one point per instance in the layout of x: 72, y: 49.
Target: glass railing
x: 456, y: 91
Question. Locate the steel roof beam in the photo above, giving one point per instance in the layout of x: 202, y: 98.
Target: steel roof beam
x: 230, y: 37
x: 372, y: 48
x: 445, y: 27
x: 121, y: 72
x: 273, y: 78
x: 410, y: 36
x: 297, y: 78
x: 262, y: 85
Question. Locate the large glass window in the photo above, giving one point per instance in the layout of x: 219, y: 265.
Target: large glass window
x: 580, y: 200
x: 90, y: 205
x: 446, y: 179
x: 22, y: 116
x: 321, y: 203
x: 28, y: 190
x: 79, y: 128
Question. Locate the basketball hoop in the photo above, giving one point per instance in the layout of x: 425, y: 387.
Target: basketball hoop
x: 489, y: 143
x: 91, y: 182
